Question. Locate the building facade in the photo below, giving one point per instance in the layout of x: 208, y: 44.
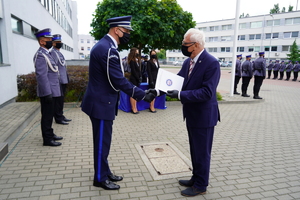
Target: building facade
x: 273, y: 34
x: 19, y: 20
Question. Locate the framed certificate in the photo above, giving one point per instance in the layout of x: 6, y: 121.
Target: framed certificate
x: 168, y: 81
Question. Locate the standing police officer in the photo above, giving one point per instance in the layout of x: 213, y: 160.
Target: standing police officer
x: 48, y: 88
x: 100, y: 102
x: 288, y: 70
x: 276, y: 69
x: 246, y: 75
x: 281, y: 70
x: 270, y: 67
x: 238, y: 73
x: 63, y: 79
x: 259, y: 72
x: 296, y: 69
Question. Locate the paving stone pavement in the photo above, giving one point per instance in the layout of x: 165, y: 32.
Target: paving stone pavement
x: 256, y: 152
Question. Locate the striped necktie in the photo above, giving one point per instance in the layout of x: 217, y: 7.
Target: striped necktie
x: 191, y: 67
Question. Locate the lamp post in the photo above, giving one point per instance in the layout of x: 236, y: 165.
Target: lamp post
x: 271, y: 36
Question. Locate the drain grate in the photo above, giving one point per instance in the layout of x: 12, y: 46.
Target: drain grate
x: 164, y: 160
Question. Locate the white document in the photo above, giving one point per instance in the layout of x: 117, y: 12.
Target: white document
x: 168, y: 81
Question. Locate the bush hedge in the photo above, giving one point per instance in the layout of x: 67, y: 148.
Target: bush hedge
x: 78, y: 79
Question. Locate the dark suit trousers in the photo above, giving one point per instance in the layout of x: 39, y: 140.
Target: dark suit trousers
x: 59, y: 104
x: 47, y: 110
x: 200, y: 140
x: 258, y: 80
x: 245, y: 84
x: 102, y: 134
x: 236, y: 82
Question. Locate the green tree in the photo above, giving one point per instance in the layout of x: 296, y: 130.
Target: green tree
x: 157, y: 24
x: 276, y: 9
x: 161, y: 54
x: 290, y: 8
x: 243, y: 15
x: 294, y: 53
x: 283, y: 10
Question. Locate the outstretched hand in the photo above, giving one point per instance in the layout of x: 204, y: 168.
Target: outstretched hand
x: 173, y: 93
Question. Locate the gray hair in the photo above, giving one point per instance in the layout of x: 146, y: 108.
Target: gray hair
x: 196, y: 36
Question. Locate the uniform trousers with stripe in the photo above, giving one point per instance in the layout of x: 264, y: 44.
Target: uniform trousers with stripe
x: 102, y: 135
x: 59, y: 105
x: 200, y: 140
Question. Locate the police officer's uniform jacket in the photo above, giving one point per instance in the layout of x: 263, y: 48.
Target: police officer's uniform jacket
x: 259, y: 67
x: 61, y: 63
x: 106, y: 78
x: 289, y: 67
x: 247, y: 69
x: 47, y: 74
x: 238, y: 68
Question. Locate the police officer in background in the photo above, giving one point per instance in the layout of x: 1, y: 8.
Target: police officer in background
x: 276, y: 69
x: 48, y: 87
x: 281, y: 70
x: 238, y: 73
x: 270, y: 67
x: 63, y: 79
x: 259, y: 72
x: 296, y: 69
x: 100, y: 102
x: 288, y: 70
x: 246, y: 75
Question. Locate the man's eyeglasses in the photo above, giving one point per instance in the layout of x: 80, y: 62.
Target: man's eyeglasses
x: 186, y: 43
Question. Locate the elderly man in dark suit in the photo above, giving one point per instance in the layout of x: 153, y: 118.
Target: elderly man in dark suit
x: 201, y: 72
x: 100, y: 102
x: 48, y: 88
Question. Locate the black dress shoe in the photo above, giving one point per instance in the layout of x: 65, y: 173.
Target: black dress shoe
x: 186, y: 183
x: 135, y: 112
x: 67, y: 120
x: 57, y: 137
x: 257, y: 97
x: 192, y: 191
x: 52, y: 143
x: 236, y: 93
x: 245, y: 95
x: 114, y: 178
x: 107, y: 185
x: 62, y: 122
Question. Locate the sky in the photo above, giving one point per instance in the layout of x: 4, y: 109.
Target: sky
x: 211, y: 10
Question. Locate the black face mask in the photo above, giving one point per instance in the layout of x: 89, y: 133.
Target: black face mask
x: 185, y: 51
x: 153, y: 56
x: 125, y: 38
x: 58, y: 45
x: 137, y: 55
x: 48, y: 44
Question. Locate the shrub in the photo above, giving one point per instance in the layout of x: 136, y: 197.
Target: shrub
x: 78, y: 78
x: 219, y: 98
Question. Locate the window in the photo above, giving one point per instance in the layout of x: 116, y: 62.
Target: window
x: 255, y: 37
x: 285, y: 48
x: 82, y: 48
x: 88, y: 41
x: 89, y: 48
x: 213, y: 28
x: 275, y: 22
x: 225, y: 49
x: 240, y: 49
x: 268, y: 35
x: 225, y: 38
x: 273, y: 48
x: 202, y: 29
x: 242, y: 25
x: 226, y: 27
x: 275, y: 35
x: 290, y: 21
x: 241, y: 37
x: 82, y: 41
x: 213, y: 39
x: 254, y: 49
x: 290, y: 34
x: 16, y: 25
x: 256, y: 24
x: 214, y: 49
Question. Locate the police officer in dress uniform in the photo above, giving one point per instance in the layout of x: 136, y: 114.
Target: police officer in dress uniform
x: 238, y: 73
x: 288, y: 70
x: 246, y: 75
x: 100, y: 102
x: 48, y: 88
x: 281, y: 70
x: 270, y: 67
x: 259, y: 72
x: 276, y: 69
x: 63, y: 79
x: 296, y: 69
